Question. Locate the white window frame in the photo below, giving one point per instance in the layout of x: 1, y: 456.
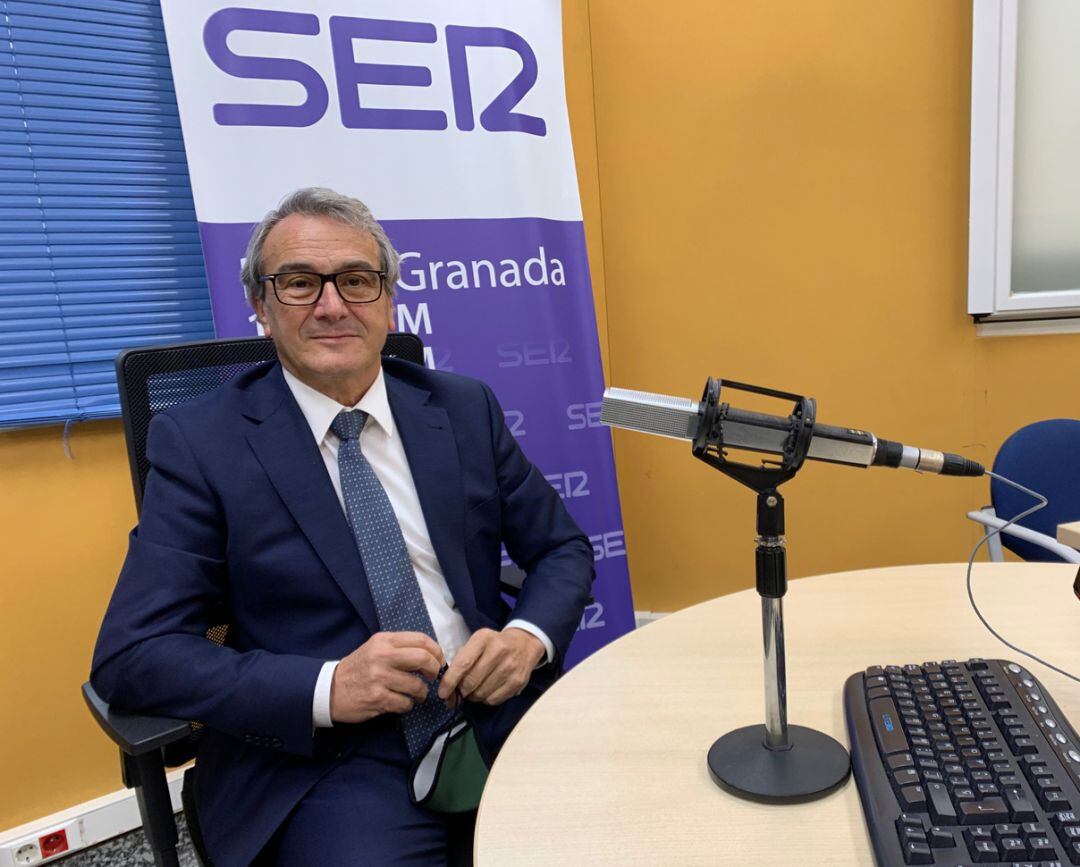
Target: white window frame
x: 990, y: 227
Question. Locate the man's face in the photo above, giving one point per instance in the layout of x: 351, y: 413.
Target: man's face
x: 332, y: 346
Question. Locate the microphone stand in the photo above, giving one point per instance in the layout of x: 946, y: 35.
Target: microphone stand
x: 774, y: 762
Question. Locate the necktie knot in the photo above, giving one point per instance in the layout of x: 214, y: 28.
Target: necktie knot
x: 348, y: 423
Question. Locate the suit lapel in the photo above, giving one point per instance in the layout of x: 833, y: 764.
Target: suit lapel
x: 283, y: 443
x: 436, y: 470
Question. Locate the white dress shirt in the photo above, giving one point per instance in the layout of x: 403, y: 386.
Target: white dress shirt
x: 385, y: 451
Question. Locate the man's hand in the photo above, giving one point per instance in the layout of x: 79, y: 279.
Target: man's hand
x: 385, y: 674
x: 492, y: 666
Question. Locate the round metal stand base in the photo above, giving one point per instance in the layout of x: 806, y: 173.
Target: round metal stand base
x: 741, y: 764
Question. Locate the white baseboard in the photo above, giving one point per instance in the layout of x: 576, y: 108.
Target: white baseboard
x: 84, y: 825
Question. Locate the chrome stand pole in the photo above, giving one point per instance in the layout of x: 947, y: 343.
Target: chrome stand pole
x: 776, y: 727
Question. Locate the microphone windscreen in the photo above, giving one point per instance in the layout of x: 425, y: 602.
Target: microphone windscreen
x: 661, y: 414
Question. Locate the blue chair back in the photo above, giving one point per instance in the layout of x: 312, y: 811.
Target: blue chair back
x: 1043, y: 456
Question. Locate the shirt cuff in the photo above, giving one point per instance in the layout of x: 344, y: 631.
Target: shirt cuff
x: 533, y: 629
x: 320, y: 703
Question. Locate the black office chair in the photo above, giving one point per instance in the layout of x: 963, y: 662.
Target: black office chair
x: 151, y: 380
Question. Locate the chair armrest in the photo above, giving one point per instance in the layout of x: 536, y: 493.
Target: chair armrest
x: 1069, y: 555
x: 135, y: 734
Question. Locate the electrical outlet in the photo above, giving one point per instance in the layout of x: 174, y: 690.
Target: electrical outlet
x: 53, y: 843
x: 27, y: 853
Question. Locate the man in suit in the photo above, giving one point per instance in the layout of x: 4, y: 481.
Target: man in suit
x: 346, y: 512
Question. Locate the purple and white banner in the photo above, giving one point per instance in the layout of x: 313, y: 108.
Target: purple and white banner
x: 449, y: 120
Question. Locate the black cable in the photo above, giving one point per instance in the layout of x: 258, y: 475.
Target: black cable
x: 971, y: 561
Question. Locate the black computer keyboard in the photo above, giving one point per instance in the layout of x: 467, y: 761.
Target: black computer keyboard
x: 962, y: 763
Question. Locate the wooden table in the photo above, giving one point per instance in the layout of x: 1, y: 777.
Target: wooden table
x: 609, y: 767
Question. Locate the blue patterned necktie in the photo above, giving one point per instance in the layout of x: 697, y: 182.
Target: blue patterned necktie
x: 390, y: 575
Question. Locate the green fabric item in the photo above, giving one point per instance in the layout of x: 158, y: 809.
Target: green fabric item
x: 460, y: 779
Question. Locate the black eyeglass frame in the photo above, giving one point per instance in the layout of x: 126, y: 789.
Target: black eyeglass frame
x: 323, y: 279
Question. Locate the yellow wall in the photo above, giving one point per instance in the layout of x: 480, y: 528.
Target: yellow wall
x: 784, y: 197
x: 64, y: 526
x: 784, y: 192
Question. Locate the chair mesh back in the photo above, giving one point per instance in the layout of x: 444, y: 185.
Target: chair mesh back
x: 157, y: 378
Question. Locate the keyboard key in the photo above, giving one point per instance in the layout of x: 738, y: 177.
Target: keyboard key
x: 987, y: 811
x: 912, y: 799
x: 1012, y: 848
x: 984, y: 851
x: 1024, y: 746
x: 1020, y: 808
x: 900, y: 761
x: 1054, y: 801
x: 918, y: 853
x: 942, y: 811
x: 1063, y: 819
x: 885, y: 719
x: 1040, y: 848
x: 940, y: 838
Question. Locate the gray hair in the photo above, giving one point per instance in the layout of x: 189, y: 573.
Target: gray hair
x: 318, y: 202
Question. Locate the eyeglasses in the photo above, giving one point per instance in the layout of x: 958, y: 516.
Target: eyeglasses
x: 305, y: 288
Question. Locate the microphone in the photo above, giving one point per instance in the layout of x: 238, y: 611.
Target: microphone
x: 681, y: 418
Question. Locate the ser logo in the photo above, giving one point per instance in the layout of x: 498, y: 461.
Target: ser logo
x: 569, y: 485
x: 534, y: 353
x: 349, y: 74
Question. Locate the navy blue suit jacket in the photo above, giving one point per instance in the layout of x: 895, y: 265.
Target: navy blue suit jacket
x: 239, y: 515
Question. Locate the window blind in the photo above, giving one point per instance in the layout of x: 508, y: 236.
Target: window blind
x: 99, y: 247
